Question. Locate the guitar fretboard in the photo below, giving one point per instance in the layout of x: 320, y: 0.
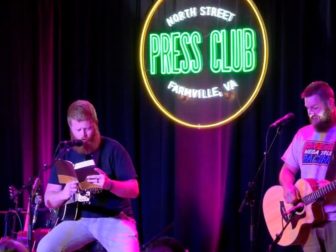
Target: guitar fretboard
x: 323, y: 191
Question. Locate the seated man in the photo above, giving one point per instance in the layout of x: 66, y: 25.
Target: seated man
x: 107, y: 216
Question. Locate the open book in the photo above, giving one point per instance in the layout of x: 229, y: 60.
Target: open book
x: 68, y: 171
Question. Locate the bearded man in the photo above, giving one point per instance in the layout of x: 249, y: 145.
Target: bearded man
x: 104, y: 215
x: 311, y: 154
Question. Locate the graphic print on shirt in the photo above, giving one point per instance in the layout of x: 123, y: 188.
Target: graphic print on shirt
x: 317, y: 153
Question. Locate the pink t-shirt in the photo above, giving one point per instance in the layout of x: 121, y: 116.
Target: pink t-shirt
x: 311, y: 153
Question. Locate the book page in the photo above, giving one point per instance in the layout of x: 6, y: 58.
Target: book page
x: 84, y: 169
x: 65, y: 171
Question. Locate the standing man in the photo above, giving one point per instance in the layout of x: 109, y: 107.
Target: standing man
x: 107, y: 217
x: 310, y: 153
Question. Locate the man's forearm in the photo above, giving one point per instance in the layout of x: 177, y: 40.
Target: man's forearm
x: 54, y: 199
x: 55, y: 195
x: 124, y: 189
x: 286, y: 177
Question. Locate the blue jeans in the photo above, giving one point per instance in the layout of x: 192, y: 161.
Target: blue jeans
x: 117, y: 234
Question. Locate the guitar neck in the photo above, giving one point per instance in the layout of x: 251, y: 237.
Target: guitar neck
x: 323, y: 191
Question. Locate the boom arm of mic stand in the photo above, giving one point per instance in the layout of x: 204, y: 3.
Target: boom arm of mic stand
x: 251, y: 184
x: 249, y: 198
x: 58, y: 154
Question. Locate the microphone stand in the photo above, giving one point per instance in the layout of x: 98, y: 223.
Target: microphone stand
x: 37, y: 199
x: 6, y: 225
x: 16, y: 206
x: 34, y: 198
x: 279, y: 235
x: 32, y: 215
x: 60, y: 152
x: 250, y: 194
x: 30, y: 229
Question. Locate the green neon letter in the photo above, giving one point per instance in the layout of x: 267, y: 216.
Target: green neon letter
x: 232, y: 53
x: 250, y: 44
x: 175, y: 53
x: 154, y: 49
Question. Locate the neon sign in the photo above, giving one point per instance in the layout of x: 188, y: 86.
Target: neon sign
x: 203, y: 64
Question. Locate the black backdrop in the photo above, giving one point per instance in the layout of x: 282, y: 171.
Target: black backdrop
x: 53, y: 52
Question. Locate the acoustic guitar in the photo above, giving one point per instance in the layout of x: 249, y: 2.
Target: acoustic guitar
x: 71, y: 209
x: 289, y: 224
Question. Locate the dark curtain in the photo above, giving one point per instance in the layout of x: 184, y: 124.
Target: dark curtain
x: 192, y: 181
x: 27, y: 95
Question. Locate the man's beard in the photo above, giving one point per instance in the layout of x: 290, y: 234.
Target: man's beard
x: 90, y: 145
x: 324, y: 121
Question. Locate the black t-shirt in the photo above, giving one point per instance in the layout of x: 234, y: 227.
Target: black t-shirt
x: 115, y: 161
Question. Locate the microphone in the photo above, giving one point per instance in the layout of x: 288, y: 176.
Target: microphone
x: 71, y: 143
x: 283, y: 120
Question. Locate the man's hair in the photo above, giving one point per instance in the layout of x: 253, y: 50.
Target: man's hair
x: 320, y: 88
x: 82, y: 110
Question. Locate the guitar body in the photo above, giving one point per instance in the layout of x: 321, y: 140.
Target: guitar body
x: 298, y: 218
x: 69, y: 211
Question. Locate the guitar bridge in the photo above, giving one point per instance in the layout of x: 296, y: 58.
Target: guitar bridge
x: 283, y: 212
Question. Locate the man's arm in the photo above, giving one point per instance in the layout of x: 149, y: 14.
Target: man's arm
x: 124, y: 189
x: 287, y: 179
x: 55, y: 196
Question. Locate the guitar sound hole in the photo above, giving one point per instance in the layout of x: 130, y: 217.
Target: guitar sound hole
x: 300, y: 210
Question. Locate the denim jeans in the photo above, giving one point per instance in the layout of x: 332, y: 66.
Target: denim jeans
x: 117, y: 234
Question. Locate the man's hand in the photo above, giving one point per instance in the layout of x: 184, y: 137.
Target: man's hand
x: 55, y: 194
x: 287, y: 179
x: 291, y: 194
x: 124, y: 189
x: 101, y: 179
x: 70, y: 189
